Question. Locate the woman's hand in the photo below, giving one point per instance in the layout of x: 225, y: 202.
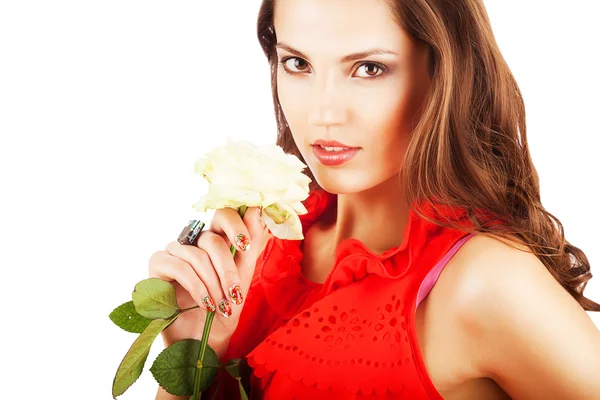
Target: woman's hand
x: 207, y: 275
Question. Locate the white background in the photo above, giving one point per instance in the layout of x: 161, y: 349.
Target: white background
x: 105, y: 106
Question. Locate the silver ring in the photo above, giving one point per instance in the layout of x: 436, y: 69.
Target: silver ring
x: 189, y: 234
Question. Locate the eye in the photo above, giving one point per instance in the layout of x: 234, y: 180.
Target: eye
x: 372, y: 69
x: 298, y: 63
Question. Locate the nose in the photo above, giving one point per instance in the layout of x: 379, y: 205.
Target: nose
x: 328, y: 108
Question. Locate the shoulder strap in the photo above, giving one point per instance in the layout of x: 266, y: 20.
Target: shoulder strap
x: 433, y: 275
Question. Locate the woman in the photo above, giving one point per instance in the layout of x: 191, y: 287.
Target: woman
x: 429, y: 268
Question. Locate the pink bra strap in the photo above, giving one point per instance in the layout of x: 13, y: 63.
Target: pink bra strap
x: 435, y: 272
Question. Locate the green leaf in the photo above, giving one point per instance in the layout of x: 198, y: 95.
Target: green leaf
x: 240, y: 370
x: 154, y: 298
x: 175, y: 366
x: 132, y: 365
x: 233, y: 367
x: 126, y: 318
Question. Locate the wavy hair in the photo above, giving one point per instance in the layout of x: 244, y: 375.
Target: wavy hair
x: 469, y: 146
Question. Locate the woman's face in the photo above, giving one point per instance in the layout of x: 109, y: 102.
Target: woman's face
x: 365, y: 101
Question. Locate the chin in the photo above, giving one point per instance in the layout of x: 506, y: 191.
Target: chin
x: 352, y: 181
x: 340, y: 186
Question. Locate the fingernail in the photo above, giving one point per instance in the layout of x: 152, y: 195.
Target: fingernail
x: 242, y: 242
x: 209, y: 304
x: 236, y: 294
x: 225, y: 308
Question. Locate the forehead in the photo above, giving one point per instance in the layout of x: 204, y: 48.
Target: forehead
x: 338, y: 26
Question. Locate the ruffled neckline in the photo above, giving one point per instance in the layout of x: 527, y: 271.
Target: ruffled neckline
x: 323, y: 200
x: 287, y: 290
x: 319, y: 202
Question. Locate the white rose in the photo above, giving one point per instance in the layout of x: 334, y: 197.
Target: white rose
x: 241, y: 173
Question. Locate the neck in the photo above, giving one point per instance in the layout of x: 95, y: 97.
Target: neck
x: 377, y: 217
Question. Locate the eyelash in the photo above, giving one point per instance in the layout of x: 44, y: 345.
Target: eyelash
x: 380, y: 66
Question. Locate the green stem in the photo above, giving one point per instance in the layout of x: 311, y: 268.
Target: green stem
x: 207, y: 325
x: 199, y: 368
x: 190, y: 308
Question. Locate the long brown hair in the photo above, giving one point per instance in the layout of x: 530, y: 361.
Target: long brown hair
x: 469, y: 145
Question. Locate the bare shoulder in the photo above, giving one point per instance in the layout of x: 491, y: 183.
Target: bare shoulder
x: 517, y: 324
x: 461, y: 284
x: 483, y: 259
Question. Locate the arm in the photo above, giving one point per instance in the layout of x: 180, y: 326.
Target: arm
x: 528, y: 333
x: 163, y: 395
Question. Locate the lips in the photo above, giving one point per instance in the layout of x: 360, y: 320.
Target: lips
x: 332, y: 143
x: 329, y: 157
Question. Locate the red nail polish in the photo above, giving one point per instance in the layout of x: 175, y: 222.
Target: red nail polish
x: 225, y: 308
x: 235, y: 292
x: 242, y: 241
x: 209, y: 304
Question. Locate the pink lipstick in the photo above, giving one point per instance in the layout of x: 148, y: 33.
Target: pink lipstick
x: 332, y: 153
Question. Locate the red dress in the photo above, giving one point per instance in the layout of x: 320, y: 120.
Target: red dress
x: 352, y: 337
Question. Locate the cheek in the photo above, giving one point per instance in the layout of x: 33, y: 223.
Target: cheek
x: 388, y: 123
x: 292, y: 99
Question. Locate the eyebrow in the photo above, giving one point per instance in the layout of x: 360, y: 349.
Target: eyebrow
x: 347, y: 58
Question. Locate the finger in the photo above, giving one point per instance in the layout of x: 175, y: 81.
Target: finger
x: 202, y: 264
x: 246, y: 261
x: 169, y: 268
x: 224, y: 265
x: 227, y: 221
